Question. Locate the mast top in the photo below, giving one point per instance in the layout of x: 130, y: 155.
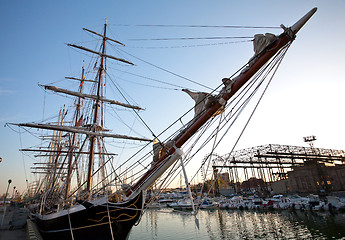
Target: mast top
x: 300, y: 23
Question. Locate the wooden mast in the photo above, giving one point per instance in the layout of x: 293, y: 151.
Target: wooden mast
x: 96, y: 128
x: 71, y: 150
x: 173, y: 153
x: 96, y: 113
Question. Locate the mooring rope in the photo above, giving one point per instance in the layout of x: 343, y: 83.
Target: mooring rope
x: 70, y: 225
x: 111, y: 229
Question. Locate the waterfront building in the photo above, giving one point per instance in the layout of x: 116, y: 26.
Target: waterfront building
x: 312, y: 177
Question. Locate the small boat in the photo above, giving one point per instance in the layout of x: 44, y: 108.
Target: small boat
x: 335, y: 203
x: 208, y: 204
x: 314, y: 203
x: 278, y: 202
x: 153, y: 205
x: 165, y: 201
x: 183, y: 204
x: 256, y: 202
x: 237, y: 202
x: 224, y: 203
x: 298, y: 202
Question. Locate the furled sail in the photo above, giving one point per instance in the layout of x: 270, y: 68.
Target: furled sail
x: 261, y: 41
x: 106, y: 38
x: 100, y: 54
x: 79, y: 79
x: 78, y: 130
x: 60, y: 151
x: 83, y: 95
x: 202, y: 101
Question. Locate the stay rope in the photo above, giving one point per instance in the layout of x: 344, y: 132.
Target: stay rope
x: 277, y: 61
x: 168, y: 71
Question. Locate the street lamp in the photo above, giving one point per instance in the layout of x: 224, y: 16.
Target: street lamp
x: 14, y: 188
x: 3, y: 217
x: 9, y: 182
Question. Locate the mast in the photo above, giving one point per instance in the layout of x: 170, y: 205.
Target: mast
x: 54, y: 159
x: 92, y: 131
x: 169, y: 156
x: 72, y: 143
x: 96, y: 113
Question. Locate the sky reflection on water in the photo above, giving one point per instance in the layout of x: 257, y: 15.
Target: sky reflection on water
x: 226, y: 224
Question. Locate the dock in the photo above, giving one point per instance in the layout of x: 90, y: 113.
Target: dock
x: 15, y: 225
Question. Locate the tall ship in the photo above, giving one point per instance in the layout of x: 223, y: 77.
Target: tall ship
x: 83, y: 191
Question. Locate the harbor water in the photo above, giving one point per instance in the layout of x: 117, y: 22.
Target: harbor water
x: 235, y: 224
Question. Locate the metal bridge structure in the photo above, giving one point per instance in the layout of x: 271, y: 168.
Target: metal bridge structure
x: 271, y: 162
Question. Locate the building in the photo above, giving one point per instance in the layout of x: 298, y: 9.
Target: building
x: 312, y: 177
x: 253, y: 185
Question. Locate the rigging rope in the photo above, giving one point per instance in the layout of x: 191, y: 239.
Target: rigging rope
x: 278, y: 60
x: 70, y: 224
x: 196, y: 26
x: 149, y: 78
x: 188, y: 38
x: 109, y: 220
x: 194, y: 45
x: 138, y: 162
x: 135, y: 112
x: 165, y: 70
x: 187, y: 159
x: 21, y: 146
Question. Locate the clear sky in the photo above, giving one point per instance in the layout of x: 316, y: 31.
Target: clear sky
x: 306, y: 97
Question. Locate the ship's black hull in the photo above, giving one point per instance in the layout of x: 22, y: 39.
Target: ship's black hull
x: 92, y: 221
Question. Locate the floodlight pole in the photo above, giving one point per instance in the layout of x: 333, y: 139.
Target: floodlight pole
x: 3, y: 217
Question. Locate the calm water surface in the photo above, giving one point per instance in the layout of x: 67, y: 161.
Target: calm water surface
x: 228, y: 224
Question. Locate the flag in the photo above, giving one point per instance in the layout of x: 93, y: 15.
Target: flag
x: 80, y: 122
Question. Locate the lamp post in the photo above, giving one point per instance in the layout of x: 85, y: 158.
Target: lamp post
x: 9, y: 182
x: 14, y: 188
x: 3, y: 217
